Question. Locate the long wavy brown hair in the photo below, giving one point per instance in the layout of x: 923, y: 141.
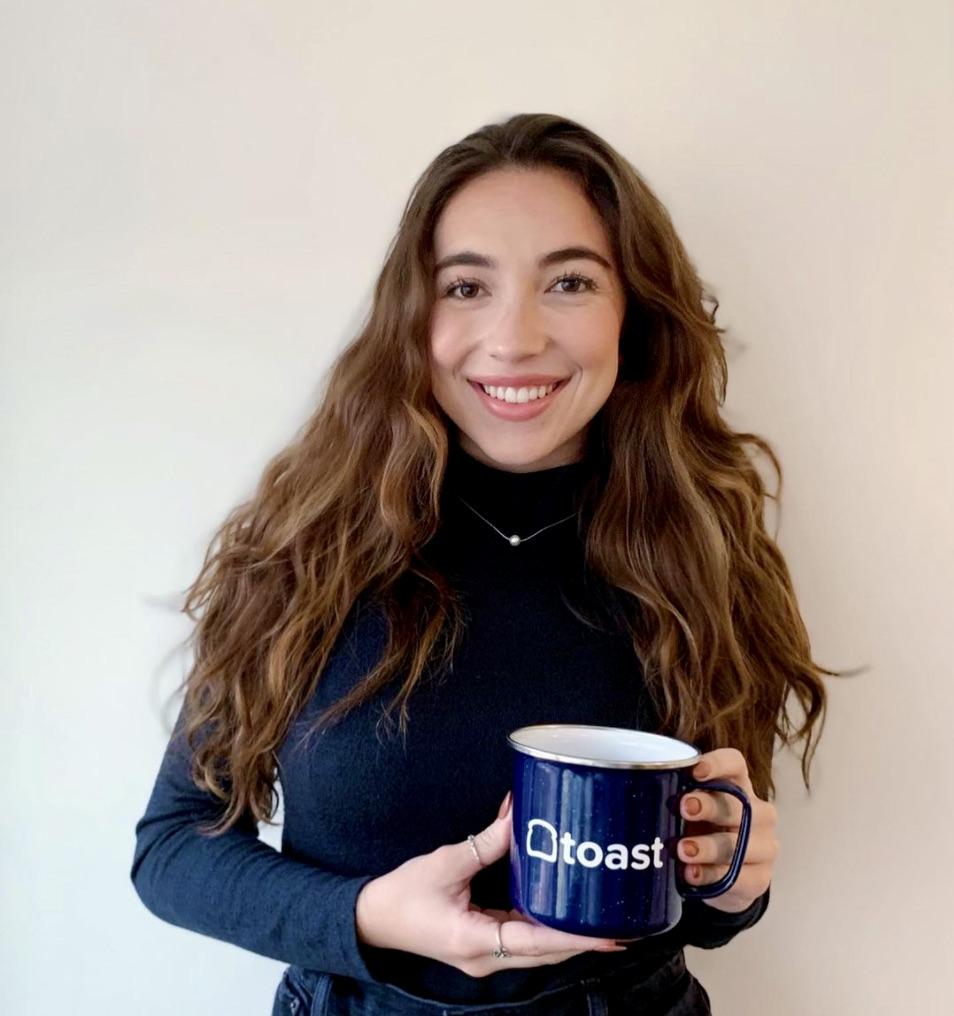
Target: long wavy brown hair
x: 672, y: 514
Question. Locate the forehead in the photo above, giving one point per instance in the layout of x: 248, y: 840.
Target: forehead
x: 519, y: 212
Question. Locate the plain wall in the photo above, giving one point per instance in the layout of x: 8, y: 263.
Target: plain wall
x: 196, y: 199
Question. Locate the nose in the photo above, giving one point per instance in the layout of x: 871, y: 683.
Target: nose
x: 517, y: 333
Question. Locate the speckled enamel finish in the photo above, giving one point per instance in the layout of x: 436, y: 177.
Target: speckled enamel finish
x: 593, y: 849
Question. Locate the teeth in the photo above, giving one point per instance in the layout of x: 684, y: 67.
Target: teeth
x: 519, y: 394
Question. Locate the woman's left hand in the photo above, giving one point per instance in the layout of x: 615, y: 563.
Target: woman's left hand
x: 713, y: 831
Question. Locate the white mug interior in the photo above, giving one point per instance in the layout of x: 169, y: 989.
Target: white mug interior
x: 607, y: 744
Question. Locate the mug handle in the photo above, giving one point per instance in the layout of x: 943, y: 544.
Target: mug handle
x: 728, y: 879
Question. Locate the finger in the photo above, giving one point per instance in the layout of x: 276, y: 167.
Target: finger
x: 528, y: 938
x: 559, y: 957
x: 491, y: 964
x: 498, y: 915
x: 490, y: 844
x: 516, y: 915
x: 713, y: 806
x: 752, y: 880
x: 724, y: 764
x: 723, y: 809
x: 719, y: 848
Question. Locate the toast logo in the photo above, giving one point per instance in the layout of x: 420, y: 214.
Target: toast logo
x: 547, y: 842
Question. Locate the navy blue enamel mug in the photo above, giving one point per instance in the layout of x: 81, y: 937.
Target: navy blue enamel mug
x: 596, y: 823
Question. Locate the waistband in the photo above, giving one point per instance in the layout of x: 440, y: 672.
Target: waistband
x: 634, y: 977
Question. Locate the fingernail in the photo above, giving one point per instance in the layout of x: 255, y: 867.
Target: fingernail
x: 690, y: 849
x: 702, y: 770
x: 505, y: 807
x: 693, y: 805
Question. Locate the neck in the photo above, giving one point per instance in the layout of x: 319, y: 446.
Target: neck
x: 482, y: 499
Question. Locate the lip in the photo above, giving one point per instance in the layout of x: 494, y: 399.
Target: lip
x: 517, y: 410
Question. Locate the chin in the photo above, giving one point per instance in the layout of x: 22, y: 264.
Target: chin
x: 506, y: 456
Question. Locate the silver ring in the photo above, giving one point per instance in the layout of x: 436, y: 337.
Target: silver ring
x: 473, y: 846
x: 501, y: 952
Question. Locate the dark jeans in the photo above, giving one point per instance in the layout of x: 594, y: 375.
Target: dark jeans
x: 669, y: 991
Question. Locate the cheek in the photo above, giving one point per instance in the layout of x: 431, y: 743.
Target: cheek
x: 594, y: 340
x: 442, y: 356
x: 598, y: 358
x: 446, y: 348
x: 444, y: 364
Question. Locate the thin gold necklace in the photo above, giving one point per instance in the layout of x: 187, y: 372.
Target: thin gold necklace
x: 515, y: 540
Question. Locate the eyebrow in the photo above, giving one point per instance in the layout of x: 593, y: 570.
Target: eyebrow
x: 555, y: 257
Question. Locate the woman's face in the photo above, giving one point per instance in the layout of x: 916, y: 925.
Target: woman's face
x: 514, y: 306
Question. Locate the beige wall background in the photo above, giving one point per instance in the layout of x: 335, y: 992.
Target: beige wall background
x: 196, y: 198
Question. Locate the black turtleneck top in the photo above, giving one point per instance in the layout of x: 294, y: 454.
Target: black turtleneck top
x: 356, y: 806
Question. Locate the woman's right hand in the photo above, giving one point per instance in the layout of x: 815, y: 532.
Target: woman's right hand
x: 423, y: 906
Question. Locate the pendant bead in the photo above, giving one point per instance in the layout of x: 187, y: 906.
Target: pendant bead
x: 515, y: 540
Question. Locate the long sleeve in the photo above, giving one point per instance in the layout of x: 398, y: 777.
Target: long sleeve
x: 708, y: 928
x: 235, y: 887
x: 538, y: 648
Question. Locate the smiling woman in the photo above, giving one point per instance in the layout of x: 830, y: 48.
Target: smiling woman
x: 517, y: 503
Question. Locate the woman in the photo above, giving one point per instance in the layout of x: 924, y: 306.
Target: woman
x: 517, y: 503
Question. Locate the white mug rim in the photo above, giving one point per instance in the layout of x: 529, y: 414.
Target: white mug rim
x: 686, y: 754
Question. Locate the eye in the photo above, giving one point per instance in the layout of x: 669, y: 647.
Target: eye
x: 589, y: 283
x: 461, y: 282
x: 578, y: 277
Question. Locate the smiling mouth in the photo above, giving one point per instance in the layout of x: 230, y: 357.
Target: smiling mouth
x: 556, y: 386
